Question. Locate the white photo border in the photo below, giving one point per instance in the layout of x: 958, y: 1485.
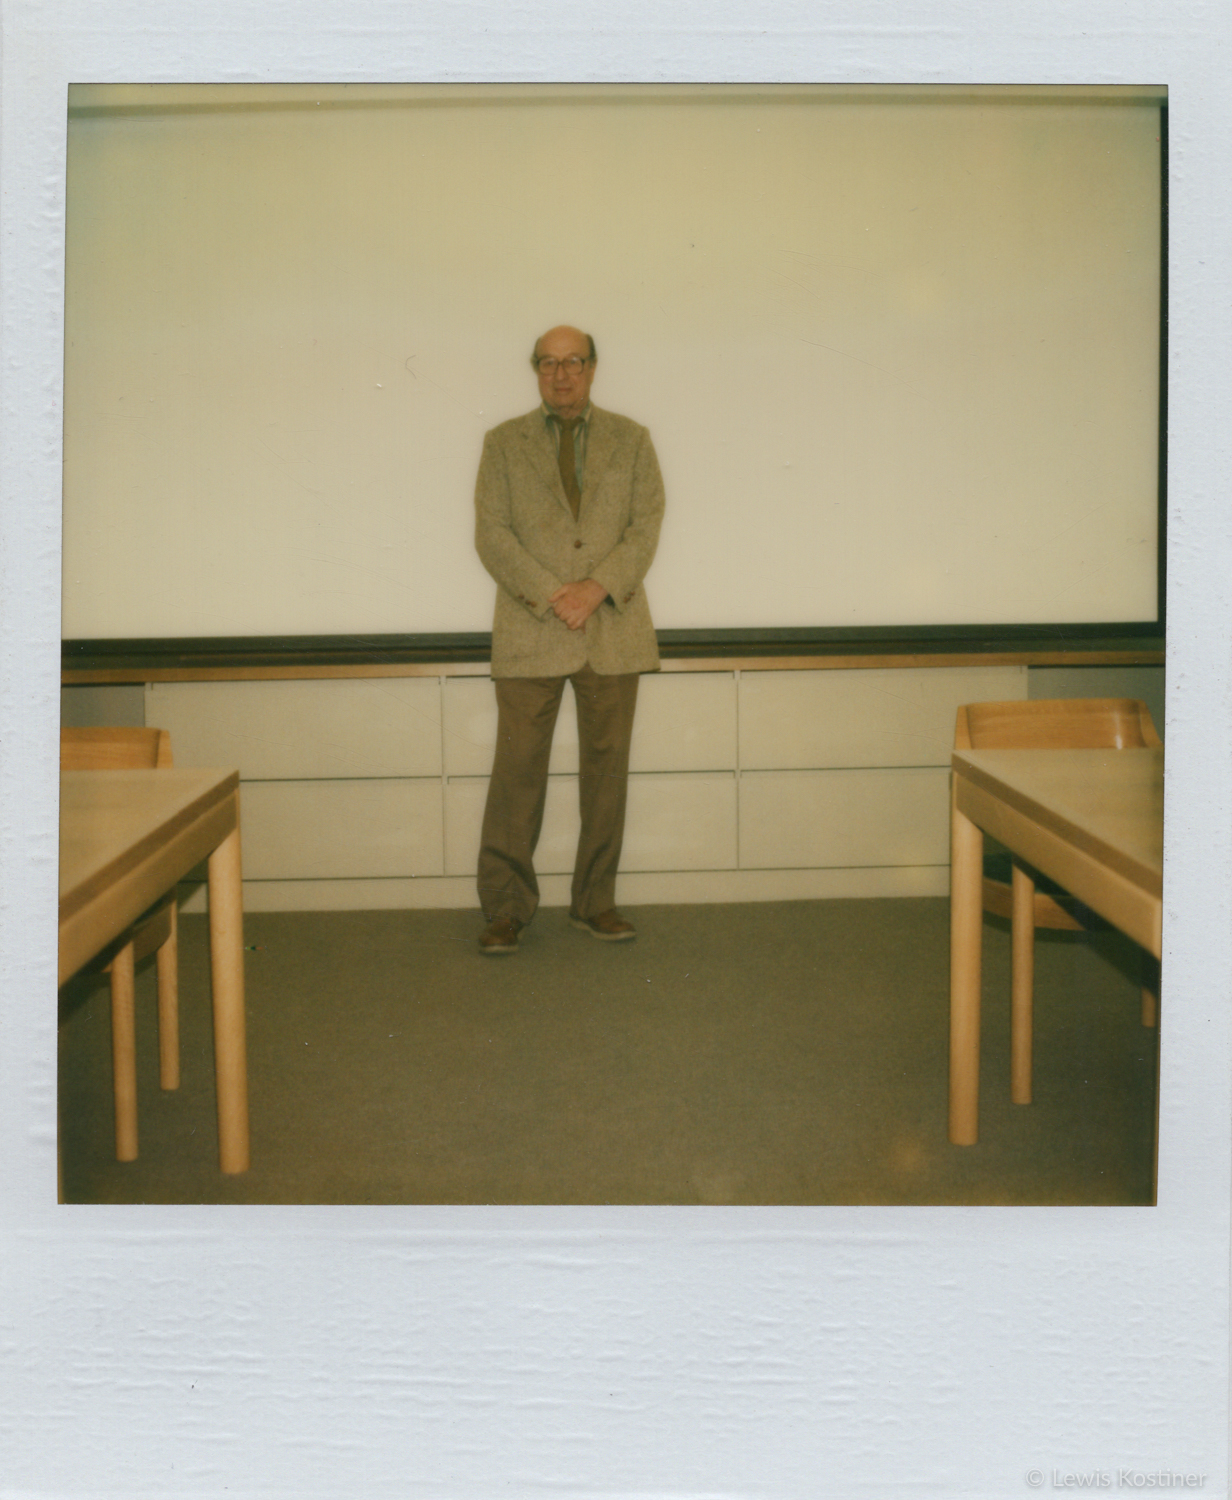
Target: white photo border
x: 522, y: 1352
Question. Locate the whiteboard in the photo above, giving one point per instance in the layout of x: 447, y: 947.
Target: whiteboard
x: 898, y: 349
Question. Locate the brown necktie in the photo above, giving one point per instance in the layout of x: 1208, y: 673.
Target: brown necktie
x: 568, y: 470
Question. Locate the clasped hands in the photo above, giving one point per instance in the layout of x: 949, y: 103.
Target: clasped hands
x: 574, y: 603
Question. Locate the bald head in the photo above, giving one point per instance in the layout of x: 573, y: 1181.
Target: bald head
x: 564, y: 360
x: 565, y: 329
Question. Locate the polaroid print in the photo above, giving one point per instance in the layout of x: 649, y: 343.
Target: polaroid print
x: 261, y: 511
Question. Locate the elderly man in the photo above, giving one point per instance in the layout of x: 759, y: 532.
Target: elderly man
x: 568, y: 505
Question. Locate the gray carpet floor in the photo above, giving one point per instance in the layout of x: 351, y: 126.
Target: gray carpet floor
x: 780, y: 1053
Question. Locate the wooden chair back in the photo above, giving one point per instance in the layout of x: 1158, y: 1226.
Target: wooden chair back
x: 115, y: 749
x: 1056, y: 724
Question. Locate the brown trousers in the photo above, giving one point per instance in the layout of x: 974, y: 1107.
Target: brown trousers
x: 527, y: 708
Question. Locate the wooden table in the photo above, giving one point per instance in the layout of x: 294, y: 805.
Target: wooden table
x: 1092, y: 820
x: 126, y: 838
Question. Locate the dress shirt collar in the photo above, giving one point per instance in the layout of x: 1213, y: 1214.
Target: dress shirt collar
x: 550, y: 416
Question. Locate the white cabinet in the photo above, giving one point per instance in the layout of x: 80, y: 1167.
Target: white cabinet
x: 744, y: 785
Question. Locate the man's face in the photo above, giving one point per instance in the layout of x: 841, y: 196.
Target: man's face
x: 565, y: 387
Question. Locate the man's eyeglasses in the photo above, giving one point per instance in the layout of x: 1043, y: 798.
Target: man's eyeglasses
x: 571, y: 366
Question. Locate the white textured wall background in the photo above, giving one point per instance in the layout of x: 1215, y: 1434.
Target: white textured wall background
x: 616, y: 1352
x: 900, y: 355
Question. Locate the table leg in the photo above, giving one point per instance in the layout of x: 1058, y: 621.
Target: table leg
x: 168, y: 962
x: 1150, y: 988
x: 124, y: 1054
x: 1022, y: 984
x: 966, y: 932
x: 227, y: 965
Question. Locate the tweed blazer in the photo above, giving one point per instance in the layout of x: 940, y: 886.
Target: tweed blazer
x: 528, y: 540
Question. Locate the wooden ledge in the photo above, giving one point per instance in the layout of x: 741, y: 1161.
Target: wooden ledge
x: 136, y: 672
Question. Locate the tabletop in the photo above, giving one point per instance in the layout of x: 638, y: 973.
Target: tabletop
x: 1109, y: 803
x: 111, y: 820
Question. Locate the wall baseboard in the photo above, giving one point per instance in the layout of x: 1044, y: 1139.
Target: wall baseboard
x: 654, y: 888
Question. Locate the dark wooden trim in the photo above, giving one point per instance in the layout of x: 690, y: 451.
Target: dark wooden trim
x: 238, y: 658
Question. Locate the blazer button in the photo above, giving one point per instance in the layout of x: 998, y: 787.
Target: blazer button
x: 577, y: 544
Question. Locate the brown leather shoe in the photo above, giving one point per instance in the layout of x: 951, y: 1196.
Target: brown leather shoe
x: 501, y: 936
x: 609, y: 926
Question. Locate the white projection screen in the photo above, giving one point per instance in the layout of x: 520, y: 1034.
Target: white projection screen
x: 899, y: 349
